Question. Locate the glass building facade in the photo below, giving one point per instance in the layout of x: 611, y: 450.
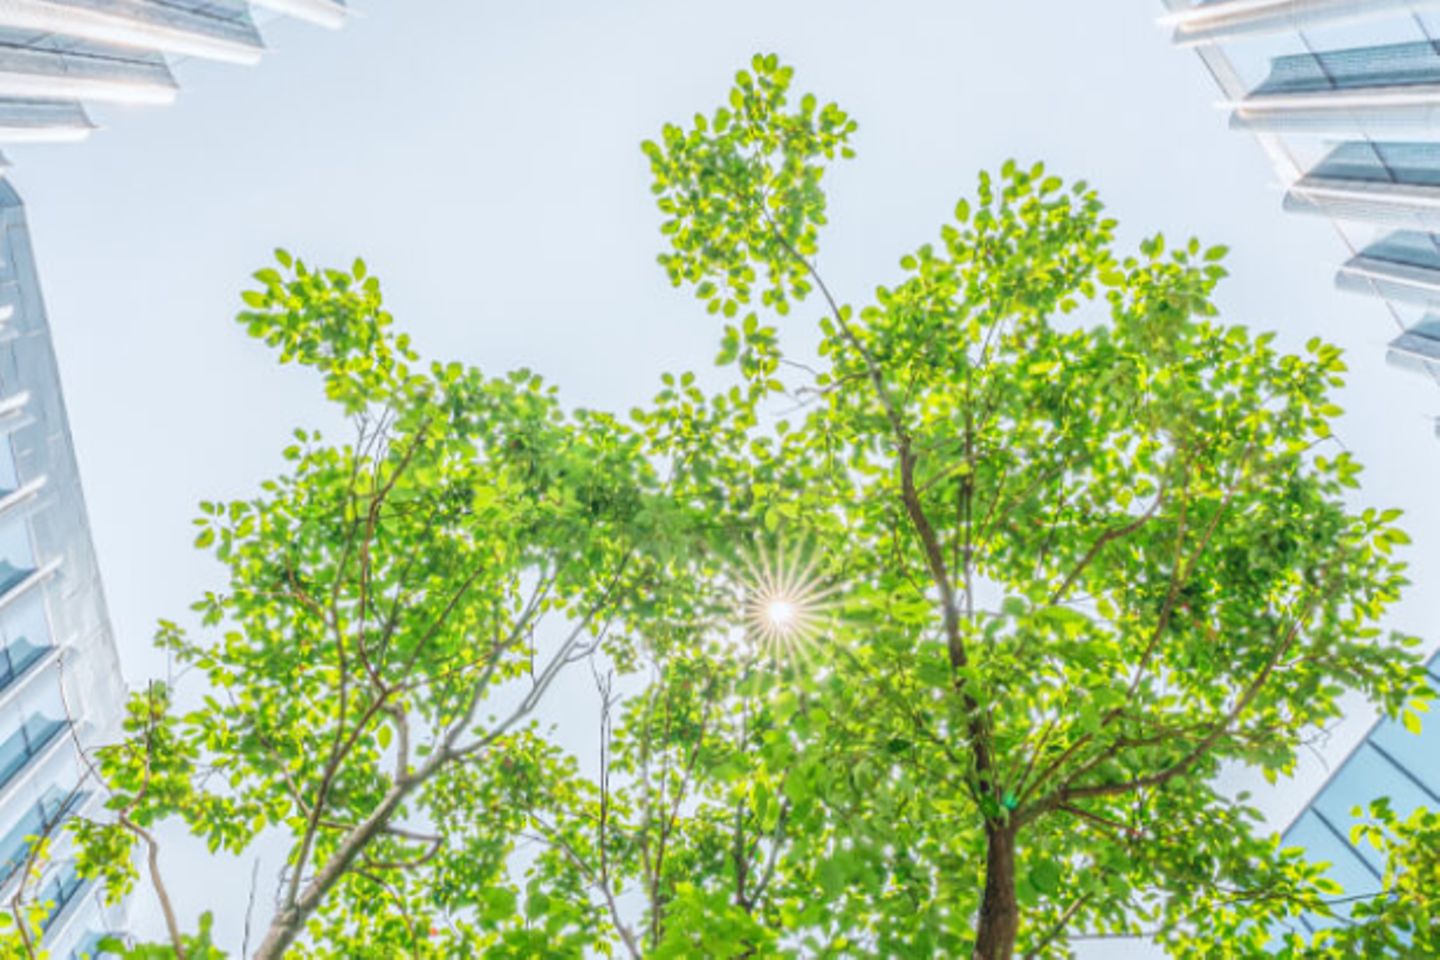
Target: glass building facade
x: 1344, y: 95
x: 61, y: 690
x: 60, y: 687
x: 1390, y: 762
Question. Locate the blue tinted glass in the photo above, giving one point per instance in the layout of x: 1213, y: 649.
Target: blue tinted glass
x: 9, y: 476
x: 1408, y: 247
x: 40, y: 730
x: 1429, y: 326
x: 1417, y: 163
x: 86, y: 949
x: 25, y: 633
x: 17, y: 561
x: 59, y: 892
x: 16, y: 662
x: 51, y: 808
x: 33, y: 736
x: 13, y: 755
x: 89, y: 947
x: 23, y: 622
x: 1346, y: 868
x: 1352, y: 161
x: 1418, y: 755
x: 1367, y: 776
x: 1401, y: 64
x: 1401, y: 163
x: 15, y: 845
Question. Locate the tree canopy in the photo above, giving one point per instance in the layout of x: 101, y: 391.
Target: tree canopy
x: 930, y: 641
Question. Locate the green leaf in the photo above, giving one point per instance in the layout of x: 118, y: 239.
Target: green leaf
x: 1045, y: 877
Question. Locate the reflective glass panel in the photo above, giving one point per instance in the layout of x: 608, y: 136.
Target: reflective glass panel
x: 1401, y: 64
x: 1346, y: 868
x: 1400, y: 163
x: 34, y: 735
x: 47, y: 812
x: 17, y: 559
x: 9, y: 477
x: 25, y: 633
x: 1410, y: 247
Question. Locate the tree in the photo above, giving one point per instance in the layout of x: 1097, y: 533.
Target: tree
x: 1093, y: 544
x: 397, y: 607
x: 946, y: 665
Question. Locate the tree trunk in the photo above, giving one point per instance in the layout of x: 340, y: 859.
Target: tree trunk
x: 999, y: 913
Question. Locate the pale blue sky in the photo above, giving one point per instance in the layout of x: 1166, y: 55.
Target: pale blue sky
x: 483, y: 158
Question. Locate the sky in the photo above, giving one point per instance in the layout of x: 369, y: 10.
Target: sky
x: 483, y: 158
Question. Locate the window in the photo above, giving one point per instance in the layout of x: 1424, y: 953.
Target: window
x: 1428, y: 327
x: 1402, y: 163
x: 17, y: 558
x: 1323, y: 844
x: 59, y: 892
x: 35, y: 734
x: 9, y: 475
x: 25, y: 634
x: 1409, y: 247
x: 1414, y: 753
x: 52, y: 807
x: 1366, y: 775
x: 1396, y: 65
x: 89, y: 947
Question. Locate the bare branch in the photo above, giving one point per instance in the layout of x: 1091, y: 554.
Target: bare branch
x: 250, y: 909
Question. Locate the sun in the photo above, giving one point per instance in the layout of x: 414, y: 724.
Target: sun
x: 780, y: 614
x: 785, y: 603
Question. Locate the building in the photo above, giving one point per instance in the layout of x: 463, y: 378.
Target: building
x: 58, y: 55
x: 1344, y: 96
x: 1391, y: 762
x: 60, y: 682
x: 59, y: 666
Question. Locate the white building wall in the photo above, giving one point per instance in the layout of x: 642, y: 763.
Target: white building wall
x: 62, y: 683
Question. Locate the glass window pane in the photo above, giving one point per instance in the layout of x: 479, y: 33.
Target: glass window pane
x: 1404, y: 163
x: 9, y: 476
x: 1346, y: 868
x: 1401, y: 64
x: 62, y: 889
x: 89, y: 947
x: 13, y: 755
x: 1429, y: 326
x: 1367, y: 776
x: 25, y: 632
x: 40, y: 730
x: 52, y: 807
x: 36, y: 733
x: 15, y: 845
x: 1418, y: 754
x: 17, y: 561
x: 1409, y: 247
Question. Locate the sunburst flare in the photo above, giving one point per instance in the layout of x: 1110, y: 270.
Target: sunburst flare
x: 786, y: 603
